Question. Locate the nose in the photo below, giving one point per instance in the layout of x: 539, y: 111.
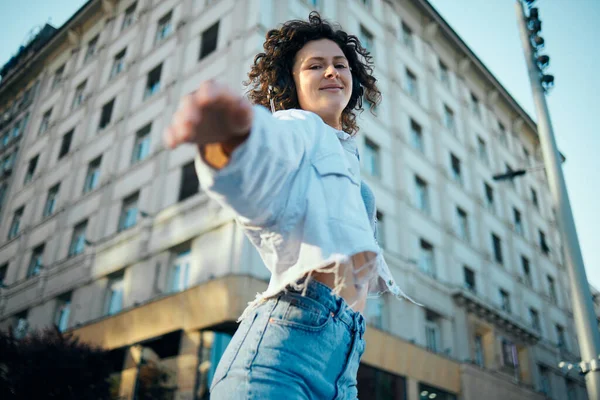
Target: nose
x: 331, y: 72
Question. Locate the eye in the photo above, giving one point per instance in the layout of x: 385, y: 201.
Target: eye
x: 316, y: 66
x: 341, y: 66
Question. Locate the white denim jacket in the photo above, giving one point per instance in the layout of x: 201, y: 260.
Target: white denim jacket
x: 295, y: 187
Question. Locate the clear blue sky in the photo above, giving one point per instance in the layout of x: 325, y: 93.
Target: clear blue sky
x: 489, y: 28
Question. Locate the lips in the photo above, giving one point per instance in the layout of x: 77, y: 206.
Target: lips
x: 331, y: 88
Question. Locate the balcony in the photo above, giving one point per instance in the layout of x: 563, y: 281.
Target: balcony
x: 493, y: 314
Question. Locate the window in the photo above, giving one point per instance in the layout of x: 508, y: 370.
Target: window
x: 93, y: 175
x: 416, y: 136
x: 164, y: 28
x: 118, y: 64
x: 422, y: 195
x: 426, y: 259
x: 432, y: 331
x: 79, y: 96
x: 571, y: 390
x: 407, y: 37
x: 31, y: 169
x: 35, y: 263
x: 469, y: 276
x: 3, y: 191
x: 3, y: 272
x: 366, y: 39
x: 129, y: 212
x: 455, y: 166
x: 411, y: 85
x: 482, y: 151
x: 475, y: 107
x: 526, y: 271
x: 179, y: 273
x: 504, y: 300
x: 545, y: 381
x: 534, y: 318
x: 526, y: 156
x: 509, y: 354
x: 543, y: 244
x: 489, y: 197
x: 208, y: 41
x: 63, y: 310
x: 153, y: 81
x: 367, y: 3
x: 534, y: 198
x: 16, y: 222
x: 91, y: 49
x: 141, y: 147
x: 463, y: 224
x: 18, y: 127
x: 371, y: 158
x: 128, y: 17
x: 106, y: 114
x: 65, y: 146
x: 189, y: 182
x: 45, y: 122
x: 5, y: 138
x: 502, y: 134
x: 497, y: 245
x: 376, y: 384
x: 21, y: 325
x: 8, y: 163
x: 552, y: 289
x: 380, y: 229
x: 479, y: 352
x: 518, y: 221
x: 78, y: 239
x: 444, y: 75
x: 114, y: 294
x: 449, y: 122
x: 51, y: 200
x: 58, y: 77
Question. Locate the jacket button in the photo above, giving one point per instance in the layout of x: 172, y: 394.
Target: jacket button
x: 390, y: 282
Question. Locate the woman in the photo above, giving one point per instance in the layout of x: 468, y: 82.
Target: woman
x: 293, y: 180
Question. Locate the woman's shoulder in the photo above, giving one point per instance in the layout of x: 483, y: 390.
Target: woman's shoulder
x: 298, y: 114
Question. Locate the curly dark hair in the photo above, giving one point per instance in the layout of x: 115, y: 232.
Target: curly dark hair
x: 274, y: 67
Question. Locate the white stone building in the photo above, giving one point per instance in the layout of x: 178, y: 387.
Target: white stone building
x: 105, y: 233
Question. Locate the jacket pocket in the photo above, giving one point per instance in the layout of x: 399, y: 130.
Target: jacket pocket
x: 341, y: 190
x: 333, y: 164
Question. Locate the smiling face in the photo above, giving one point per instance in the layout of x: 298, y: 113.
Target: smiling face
x: 323, y: 80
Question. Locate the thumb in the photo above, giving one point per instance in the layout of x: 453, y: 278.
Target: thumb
x: 241, y: 117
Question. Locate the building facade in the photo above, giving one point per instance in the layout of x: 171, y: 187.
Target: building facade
x: 107, y: 235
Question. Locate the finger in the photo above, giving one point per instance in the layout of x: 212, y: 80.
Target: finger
x: 241, y: 116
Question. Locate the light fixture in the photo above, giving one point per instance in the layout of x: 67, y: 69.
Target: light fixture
x: 538, y: 42
x: 509, y: 175
x: 535, y: 26
x: 547, y: 81
x: 543, y: 61
x: 534, y: 13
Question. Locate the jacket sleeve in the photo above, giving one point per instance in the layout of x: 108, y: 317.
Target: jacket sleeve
x: 256, y: 181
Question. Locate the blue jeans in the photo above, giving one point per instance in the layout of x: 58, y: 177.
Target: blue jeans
x: 294, y: 347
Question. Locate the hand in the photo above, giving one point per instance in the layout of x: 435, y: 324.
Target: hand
x: 211, y: 114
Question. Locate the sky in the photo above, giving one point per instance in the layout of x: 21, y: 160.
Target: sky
x: 489, y: 28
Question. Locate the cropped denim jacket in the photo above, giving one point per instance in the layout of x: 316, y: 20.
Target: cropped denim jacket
x: 294, y: 185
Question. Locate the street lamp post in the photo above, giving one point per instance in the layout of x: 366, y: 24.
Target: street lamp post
x: 583, y: 308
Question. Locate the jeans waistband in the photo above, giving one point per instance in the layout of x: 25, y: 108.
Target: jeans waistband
x: 336, y: 305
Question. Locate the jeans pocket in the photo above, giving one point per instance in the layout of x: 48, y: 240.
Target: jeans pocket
x: 301, y: 312
x: 233, y: 349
